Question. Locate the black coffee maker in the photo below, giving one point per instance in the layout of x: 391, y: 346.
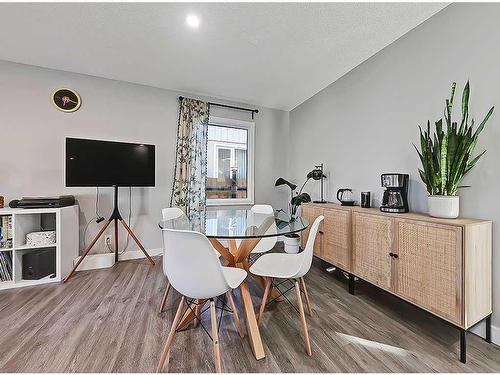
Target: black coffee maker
x: 395, y: 197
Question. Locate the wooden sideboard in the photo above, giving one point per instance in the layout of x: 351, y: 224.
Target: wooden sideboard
x: 440, y: 265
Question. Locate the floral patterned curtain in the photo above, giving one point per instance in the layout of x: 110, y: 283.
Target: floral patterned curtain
x: 190, y: 176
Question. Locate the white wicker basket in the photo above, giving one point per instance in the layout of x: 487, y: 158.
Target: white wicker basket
x: 41, y: 238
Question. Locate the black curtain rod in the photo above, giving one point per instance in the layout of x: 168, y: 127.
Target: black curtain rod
x: 230, y: 107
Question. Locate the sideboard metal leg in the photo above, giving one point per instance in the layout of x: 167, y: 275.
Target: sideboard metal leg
x: 488, y: 329
x: 330, y: 269
x: 352, y: 284
x: 463, y: 346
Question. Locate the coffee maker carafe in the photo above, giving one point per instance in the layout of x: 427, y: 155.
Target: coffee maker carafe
x: 395, y: 197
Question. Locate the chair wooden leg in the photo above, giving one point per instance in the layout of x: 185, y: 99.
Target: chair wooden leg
x: 215, y: 337
x: 264, y: 298
x: 303, y: 319
x: 165, y: 295
x: 197, y: 311
x: 236, y: 317
x: 171, y: 335
x: 308, y: 302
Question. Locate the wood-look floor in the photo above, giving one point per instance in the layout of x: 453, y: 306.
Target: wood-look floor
x: 107, y: 321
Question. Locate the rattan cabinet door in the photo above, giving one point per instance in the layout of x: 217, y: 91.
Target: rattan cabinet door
x: 337, y: 238
x: 429, y: 267
x: 310, y: 213
x: 372, y: 244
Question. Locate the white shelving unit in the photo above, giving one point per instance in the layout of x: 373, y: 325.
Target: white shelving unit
x: 63, y: 220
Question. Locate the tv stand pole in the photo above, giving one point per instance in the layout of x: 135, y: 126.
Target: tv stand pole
x: 115, y: 217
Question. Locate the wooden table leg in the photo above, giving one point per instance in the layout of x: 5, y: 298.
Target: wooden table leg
x: 233, y: 247
x: 252, y: 327
x: 222, y: 250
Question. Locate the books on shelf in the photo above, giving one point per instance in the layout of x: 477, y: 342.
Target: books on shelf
x: 6, y: 266
x: 6, y: 232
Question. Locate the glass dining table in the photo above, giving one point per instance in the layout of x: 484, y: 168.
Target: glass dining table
x: 241, y: 229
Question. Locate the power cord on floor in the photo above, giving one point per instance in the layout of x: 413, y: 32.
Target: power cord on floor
x: 129, y: 215
x: 108, y: 241
x: 97, y: 218
x: 85, y: 230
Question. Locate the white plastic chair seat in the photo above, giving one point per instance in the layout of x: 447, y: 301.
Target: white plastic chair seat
x: 170, y: 213
x: 283, y: 266
x: 288, y: 266
x: 258, y: 213
x: 234, y: 276
x: 264, y: 245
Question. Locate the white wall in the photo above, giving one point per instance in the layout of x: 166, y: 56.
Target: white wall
x: 33, y: 133
x: 364, y: 124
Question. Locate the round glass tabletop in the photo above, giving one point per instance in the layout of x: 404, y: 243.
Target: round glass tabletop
x: 238, y: 224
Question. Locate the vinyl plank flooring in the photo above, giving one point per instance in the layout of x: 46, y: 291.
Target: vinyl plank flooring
x: 108, y: 321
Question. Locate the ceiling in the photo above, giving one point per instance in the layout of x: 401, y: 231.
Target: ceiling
x: 270, y: 54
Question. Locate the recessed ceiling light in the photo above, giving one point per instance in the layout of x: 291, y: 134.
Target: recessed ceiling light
x: 193, y: 21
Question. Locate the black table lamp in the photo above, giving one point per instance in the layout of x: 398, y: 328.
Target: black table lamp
x: 317, y: 174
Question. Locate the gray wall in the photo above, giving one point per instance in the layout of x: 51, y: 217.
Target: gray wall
x: 364, y: 124
x: 33, y: 133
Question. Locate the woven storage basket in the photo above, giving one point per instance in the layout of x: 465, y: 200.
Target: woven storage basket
x: 41, y: 238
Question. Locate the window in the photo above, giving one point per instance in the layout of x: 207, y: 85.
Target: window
x: 229, y: 162
x: 223, y: 162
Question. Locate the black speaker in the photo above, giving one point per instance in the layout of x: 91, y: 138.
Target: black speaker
x: 39, y: 263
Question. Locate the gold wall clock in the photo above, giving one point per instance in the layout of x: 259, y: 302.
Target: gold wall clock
x: 66, y: 100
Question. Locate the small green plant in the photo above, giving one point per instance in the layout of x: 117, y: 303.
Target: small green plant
x: 296, y: 198
x: 446, y: 154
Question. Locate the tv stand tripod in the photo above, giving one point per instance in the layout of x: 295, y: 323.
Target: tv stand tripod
x: 115, y: 217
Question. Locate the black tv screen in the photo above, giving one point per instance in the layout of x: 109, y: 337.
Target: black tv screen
x: 101, y: 163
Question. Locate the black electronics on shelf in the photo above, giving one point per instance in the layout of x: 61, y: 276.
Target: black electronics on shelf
x: 43, y: 202
x: 38, y: 264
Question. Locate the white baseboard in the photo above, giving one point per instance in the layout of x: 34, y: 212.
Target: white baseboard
x: 107, y: 260
x: 137, y: 254
x: 495, y: 335
x: 480, y: 330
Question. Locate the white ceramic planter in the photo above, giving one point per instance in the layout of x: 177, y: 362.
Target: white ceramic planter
x: 443, y: 206
x: 292, y: 244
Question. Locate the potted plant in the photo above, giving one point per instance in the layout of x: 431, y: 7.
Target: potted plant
x: 292, y: 241
x: 446, y: 156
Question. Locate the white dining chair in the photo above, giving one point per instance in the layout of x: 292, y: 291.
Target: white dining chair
x: 194, y: 270
x: 292, y: 267
x: 258, y: 214
x: 168, y: 213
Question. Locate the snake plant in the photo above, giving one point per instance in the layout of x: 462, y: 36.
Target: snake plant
x: 446, y: 153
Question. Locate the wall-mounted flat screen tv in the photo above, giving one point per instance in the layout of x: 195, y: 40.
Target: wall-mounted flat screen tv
x: 91, y: 162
